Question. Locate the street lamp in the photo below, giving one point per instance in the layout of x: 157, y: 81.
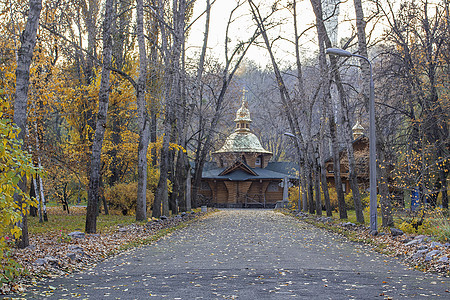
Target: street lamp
x: 372, y: 141
x: 305, y: 207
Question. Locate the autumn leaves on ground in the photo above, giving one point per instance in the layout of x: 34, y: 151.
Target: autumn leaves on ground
x: 58, y: 247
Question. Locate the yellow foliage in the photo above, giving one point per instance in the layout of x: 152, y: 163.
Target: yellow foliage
x: 293, y: 197
x: 406, y: 227
x: 122, y: 196
x: 14, y: 163
x: 429, y: 222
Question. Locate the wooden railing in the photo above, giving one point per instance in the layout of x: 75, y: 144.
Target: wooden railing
x: 255, y: 200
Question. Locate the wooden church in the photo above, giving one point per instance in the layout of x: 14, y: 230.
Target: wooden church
x: 242, y: 174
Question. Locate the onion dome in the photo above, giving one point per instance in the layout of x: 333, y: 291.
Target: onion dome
x: 242, y: 139
x: 358, y: 130
x: 243, y: 114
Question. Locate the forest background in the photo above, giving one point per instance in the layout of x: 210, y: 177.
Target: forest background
x: 118, y: 108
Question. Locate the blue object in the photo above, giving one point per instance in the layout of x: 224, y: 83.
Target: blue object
x: 415, y: 199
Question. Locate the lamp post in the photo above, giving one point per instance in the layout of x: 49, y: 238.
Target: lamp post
x: 305, y: 207
x: 372, y: 141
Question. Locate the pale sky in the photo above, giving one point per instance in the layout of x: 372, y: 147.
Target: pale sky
x: 241, y: 29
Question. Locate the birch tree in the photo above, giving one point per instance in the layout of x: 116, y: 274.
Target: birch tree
x: 94, y: 178
x: 143, y: 120
x: 24, y: 59
x: 324, y: 41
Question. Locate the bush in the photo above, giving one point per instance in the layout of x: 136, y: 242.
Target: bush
x: 333, y: 197
x: 293, y: 197
x: 350, y: 203
x: 122, y: 196
x: 440, y: 224
x: 427, y: 221
x: 14, y: 163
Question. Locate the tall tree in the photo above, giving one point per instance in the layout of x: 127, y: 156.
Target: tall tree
x: 172, y: 91
x: 94, y: 178
x: 143, y: 120
x: 183, y: 166
x: 24, y: 59
x: 418, y: 69
x: 324, y: 42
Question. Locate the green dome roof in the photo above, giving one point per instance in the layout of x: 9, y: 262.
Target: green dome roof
x: 242, y: 142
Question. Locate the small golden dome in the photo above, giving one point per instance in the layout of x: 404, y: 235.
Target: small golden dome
x: 243, y: 114
x: 358, y: 130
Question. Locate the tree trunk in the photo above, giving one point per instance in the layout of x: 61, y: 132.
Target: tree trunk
x: 323, y: 171
x: 309, y: 173
x: 443, y: 178
x: 362, y: 49
x: 325, y: 74
x: 94, y: 178
x: 180, y: 180
x: 348, y: 138
x: 172, y: 97
x: 382, y: 177
x: 326, y: 195
x: 24, y: 58
x: 317, y: 187
x: 287, y: 103
x: 41, y: 190
x: 90, y: 12
x: 33, y: 194
x: 144, y: 134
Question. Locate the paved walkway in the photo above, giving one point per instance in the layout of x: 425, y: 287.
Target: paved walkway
x: 250, y: 254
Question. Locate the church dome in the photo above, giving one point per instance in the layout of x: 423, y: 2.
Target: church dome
x: 243, y: 114
x: 242, y: 142
x: 358, y: 130
x: 242, y: 139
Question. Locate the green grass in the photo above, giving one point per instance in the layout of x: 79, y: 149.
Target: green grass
x: 351, y: 217
x: 59, y: 220
x: 76, y: 220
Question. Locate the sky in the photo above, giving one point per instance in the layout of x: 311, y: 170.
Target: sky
x: 242, y: 28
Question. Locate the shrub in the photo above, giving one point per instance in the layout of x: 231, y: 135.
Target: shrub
x: 440, y: 224
x: 14, y: 163
x: 293, y: 197
x: 333, y: 197
x: 122, y: 196
x: 427, y: 221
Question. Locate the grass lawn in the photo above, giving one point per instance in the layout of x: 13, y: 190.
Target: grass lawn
x: 351, y: 214
x: 75, y: 221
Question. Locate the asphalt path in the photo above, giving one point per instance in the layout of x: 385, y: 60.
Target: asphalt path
x: 248, y: 254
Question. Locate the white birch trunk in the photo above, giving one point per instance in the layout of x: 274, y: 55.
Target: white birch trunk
x: 94, y: 178
x: 24, y: 58
x: 143, y: 122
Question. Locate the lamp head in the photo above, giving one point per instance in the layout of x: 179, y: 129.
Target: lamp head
x: 338, y: 52
x: 289, y: 134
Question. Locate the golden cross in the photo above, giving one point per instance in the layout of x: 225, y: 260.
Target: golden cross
x: 243, y: 94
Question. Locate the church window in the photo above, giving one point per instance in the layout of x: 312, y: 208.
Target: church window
x: 258, y: 161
